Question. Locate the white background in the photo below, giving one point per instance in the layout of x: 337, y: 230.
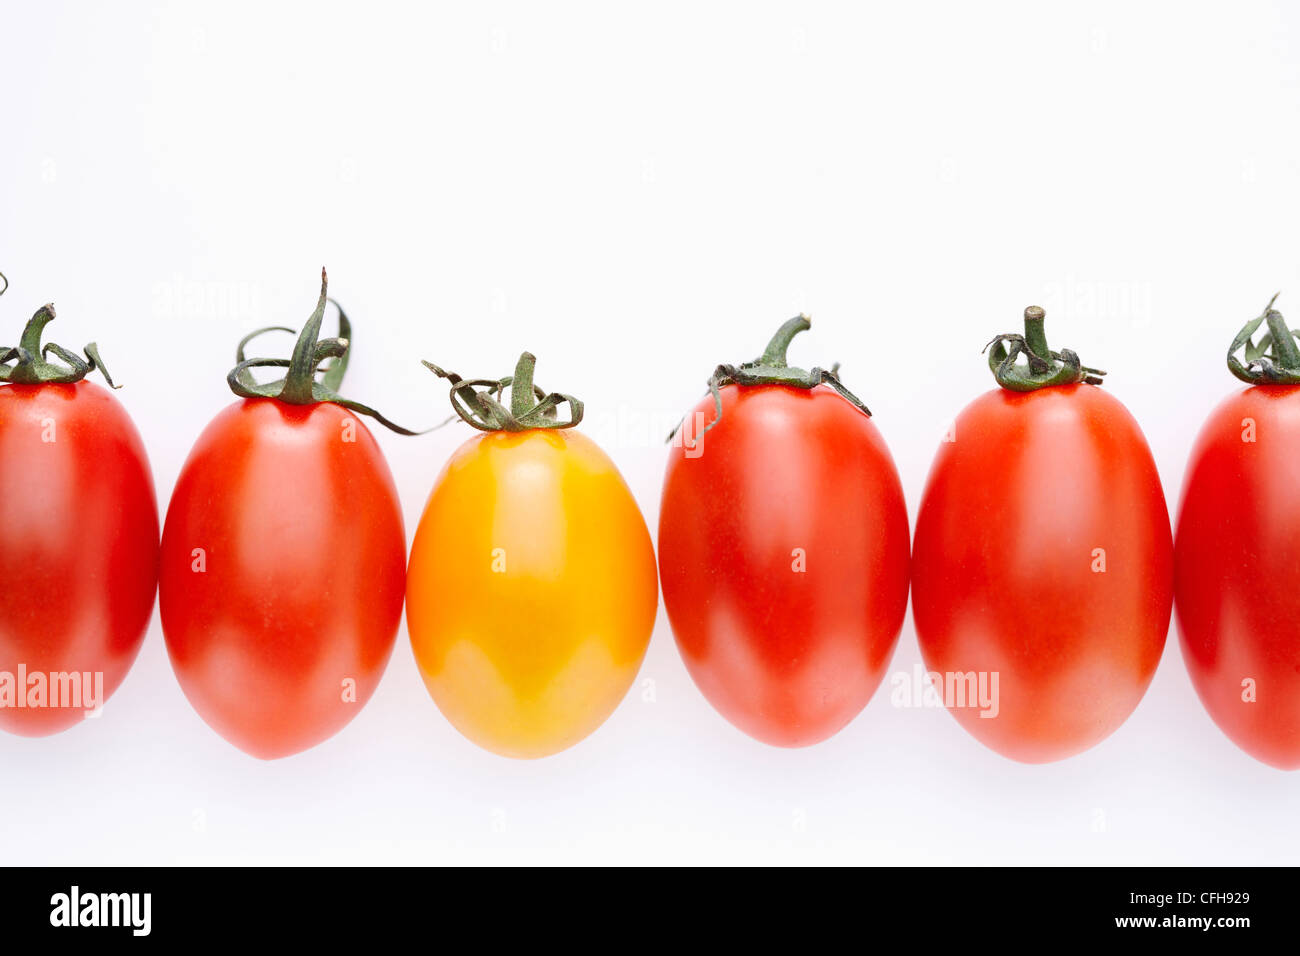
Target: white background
x: 636, y: 193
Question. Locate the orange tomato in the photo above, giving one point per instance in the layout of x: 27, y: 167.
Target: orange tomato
x: 531, y: 591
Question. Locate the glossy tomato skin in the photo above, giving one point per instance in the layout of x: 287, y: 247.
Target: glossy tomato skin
x: 79, y: 567
x: 531, y: 590
x: 1237, y: 571
x: 783, y: 552
x: 283, y: 568
x: 1043, y: 555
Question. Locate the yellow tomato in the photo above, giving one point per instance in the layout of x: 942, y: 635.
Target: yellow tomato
x: 531, y: 592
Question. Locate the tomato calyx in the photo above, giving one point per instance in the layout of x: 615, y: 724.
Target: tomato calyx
x: 1274, y: 359
x: 530, y: 407
x: 29, y: 356
x: 1045, y: 368
x: 299, y: 385
x: 772, y: 368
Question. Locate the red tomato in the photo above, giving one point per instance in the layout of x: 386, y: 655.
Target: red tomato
x: 1043, y: 561
x: 783, y: 556
x: 80, y: 561
x: 283, y: 572
x: 284, y: 556
x: 1237, y: 571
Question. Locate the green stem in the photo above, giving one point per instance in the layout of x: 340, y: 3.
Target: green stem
x: 774, y: 356
x: 1285, y: 352
x: 1044, y: 368
x: 475, y: 401
x: 1036, y: 331
x: 300, y: 385
x: 1274, y: 359
x: 35, y: 329
x: 522, y: 400
x: 30, y: 358
x: 772, y: 368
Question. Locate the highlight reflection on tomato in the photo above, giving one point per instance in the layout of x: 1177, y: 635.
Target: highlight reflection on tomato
x: 531, y: 590
x: 1043, y: 556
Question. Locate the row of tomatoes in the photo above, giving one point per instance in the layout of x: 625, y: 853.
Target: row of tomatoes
x: 1042, y: 566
